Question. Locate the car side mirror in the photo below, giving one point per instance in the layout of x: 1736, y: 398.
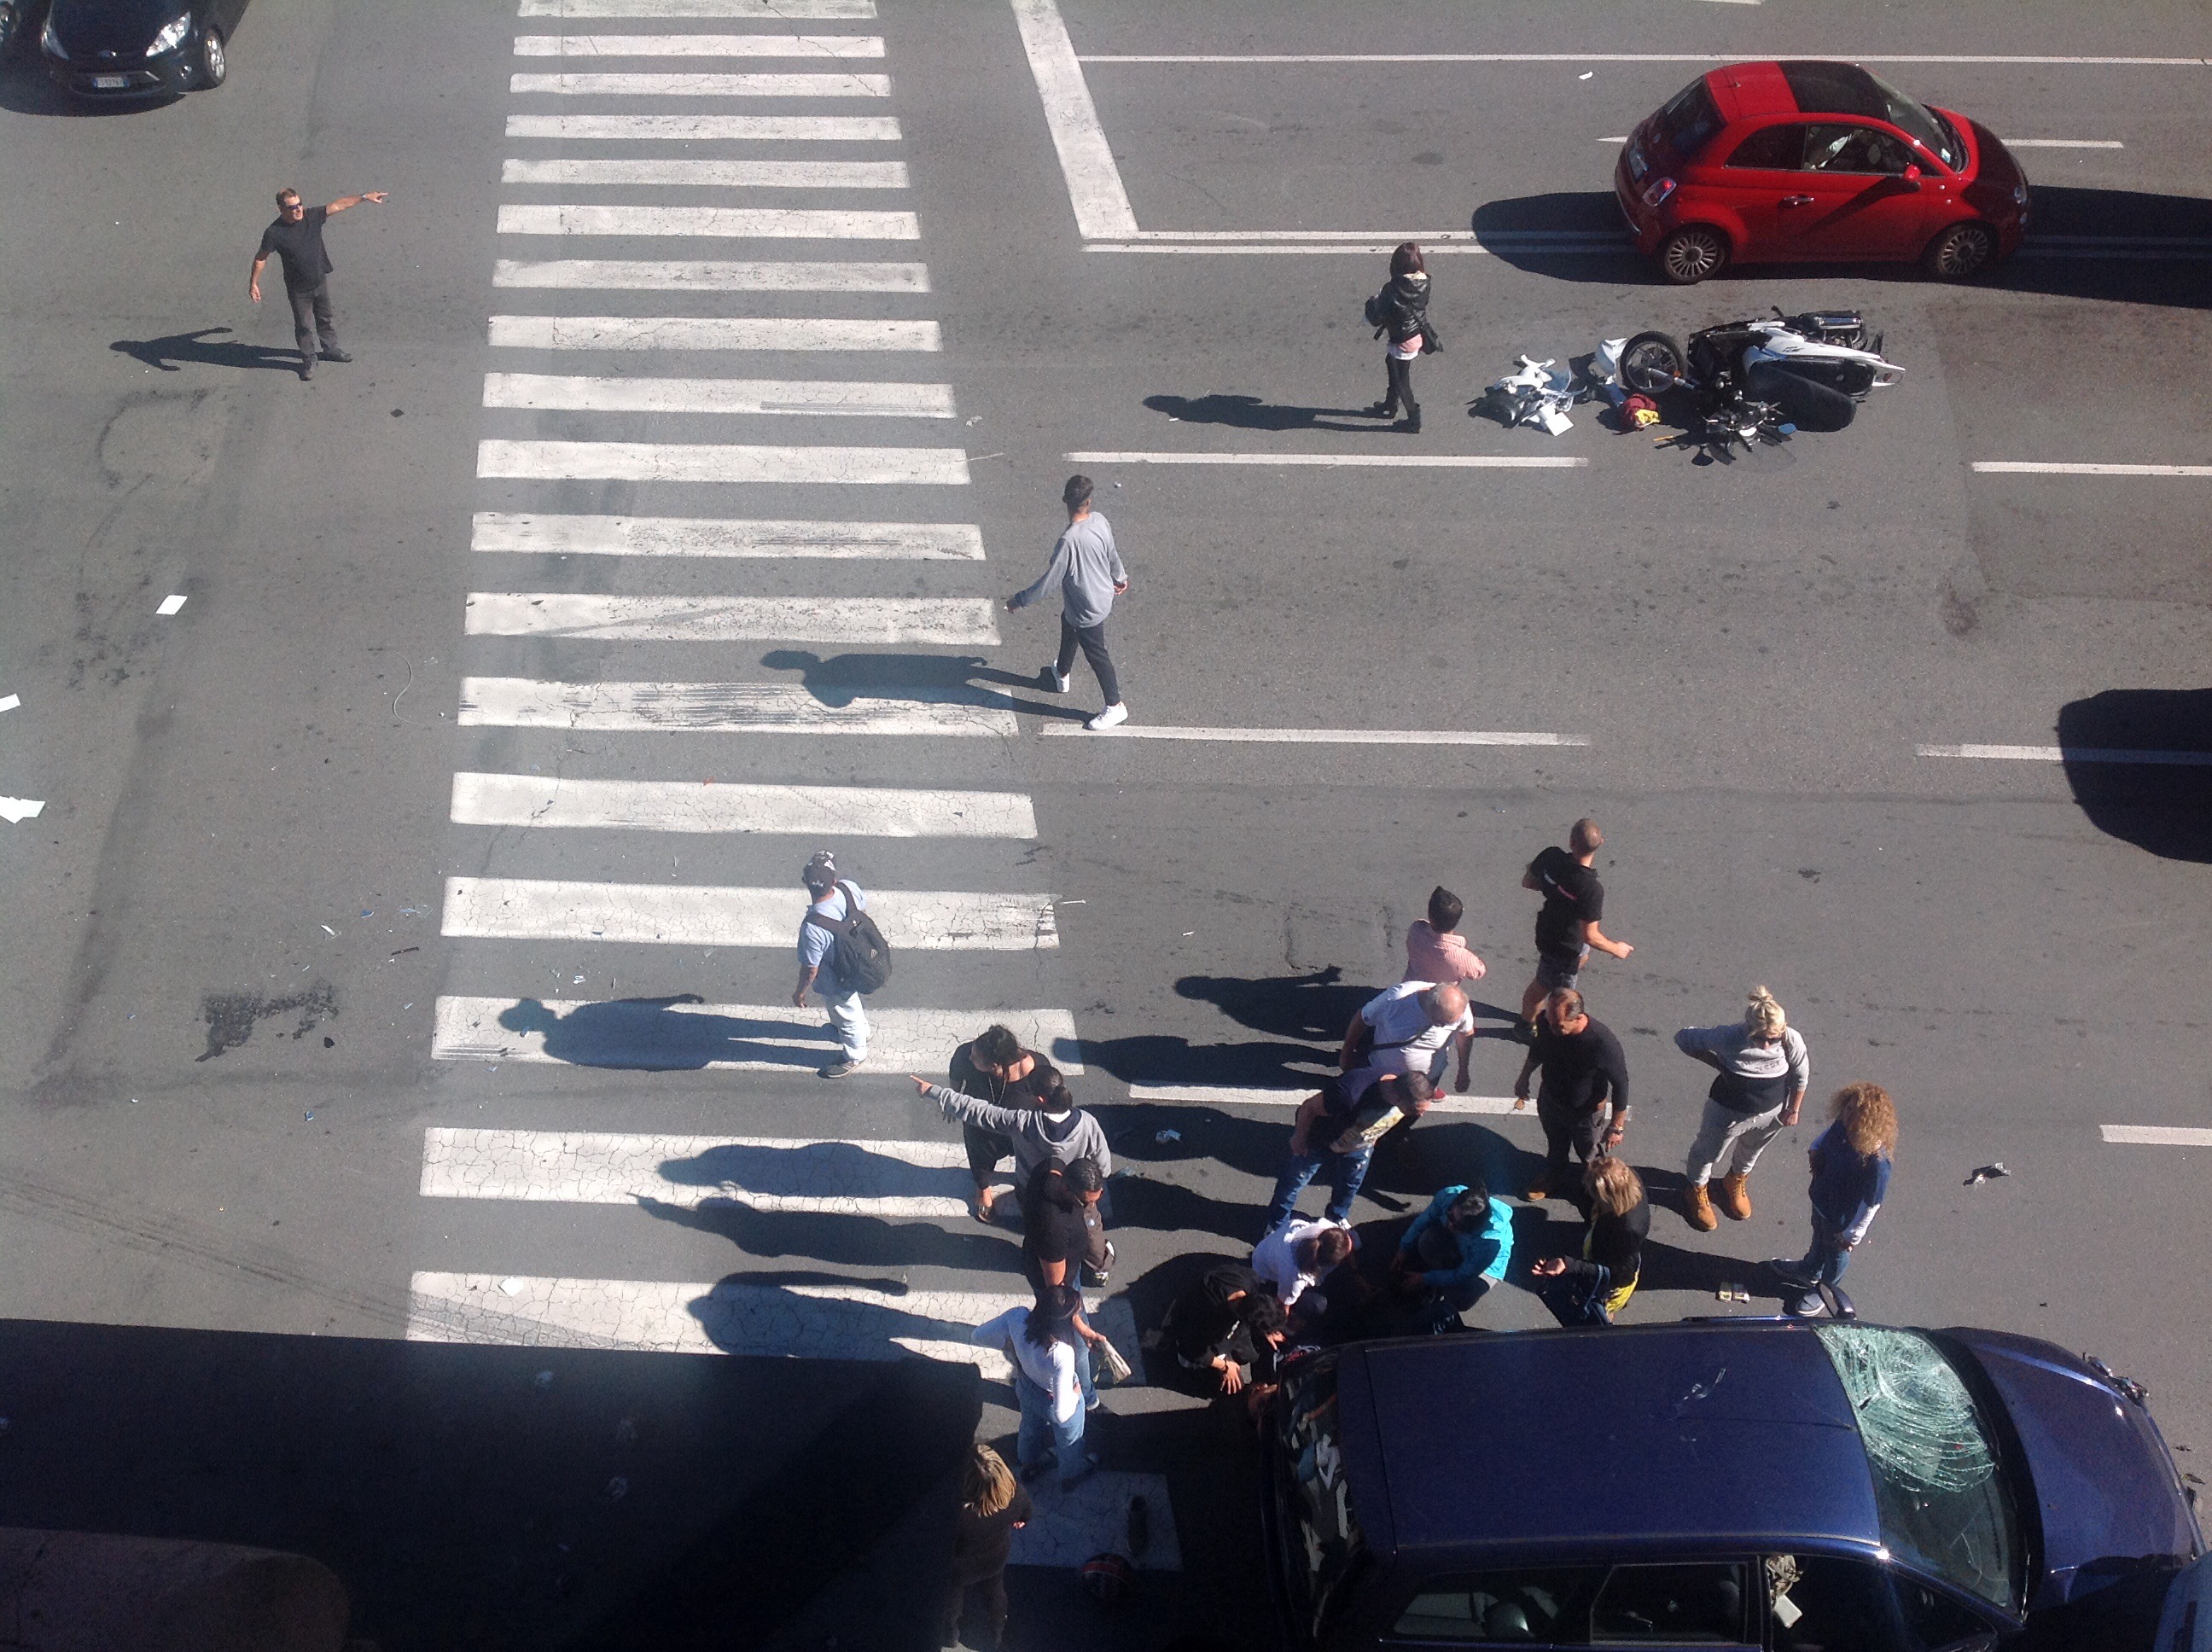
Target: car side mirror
x: 1912, y: 177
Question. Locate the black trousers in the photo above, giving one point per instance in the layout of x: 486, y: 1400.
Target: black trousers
x: 994, y: 1603
x: 1091, y: 639
x: 1400, y: 390
x: 310, y: 314
x: 984, y: 1149
x: 1563, y: 1130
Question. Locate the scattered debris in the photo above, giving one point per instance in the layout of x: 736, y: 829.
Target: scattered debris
x: 617, y: 1488
x: 1162, y: 1138
x: 1540, y: 393
x: 328, y: 931
x: 512, y: 1288
x: 1731, y: 1291
x: 1985, y: 1173
x: 170, y: 604
x: 544, y: 1378
x: 403, y: 952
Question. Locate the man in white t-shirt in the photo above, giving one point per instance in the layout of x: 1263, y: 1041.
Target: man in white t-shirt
x: 1412, y: 1025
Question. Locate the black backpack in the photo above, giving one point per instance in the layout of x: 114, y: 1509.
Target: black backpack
x: 860, y: 955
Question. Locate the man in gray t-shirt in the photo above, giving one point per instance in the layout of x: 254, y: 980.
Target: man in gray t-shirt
x: 1089, y: 573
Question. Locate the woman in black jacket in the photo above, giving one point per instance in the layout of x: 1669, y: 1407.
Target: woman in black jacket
x: 1597, y: 1286
x: 993, y: 1508
x: 1400, y: 311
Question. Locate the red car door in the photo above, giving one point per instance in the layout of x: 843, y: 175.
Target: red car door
x: 1853, y: 199
x: 1760, y: 173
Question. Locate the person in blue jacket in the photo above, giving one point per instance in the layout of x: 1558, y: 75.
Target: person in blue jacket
x: 1850, y: 1178
x: 1456, y: 1250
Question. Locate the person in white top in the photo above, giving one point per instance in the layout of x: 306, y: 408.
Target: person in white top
x: 1298, y: 1255
x: 1050, y: 1346
x: 1412, y: 1025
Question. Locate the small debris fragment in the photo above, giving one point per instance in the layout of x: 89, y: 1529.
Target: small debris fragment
x: 617, y: 1488
x: 170, y: 604
x: 403, y: 952
x: 1986, y: 1173
x: 1162, y: 1138
x: 511, y: 1287
x: 544, y: 1378
x: 327, y: 929
x: 311, y: 1118
x: 1731, y: 1291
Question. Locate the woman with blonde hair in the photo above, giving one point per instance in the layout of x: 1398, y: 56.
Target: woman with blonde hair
x: 994, y: 1505
x: 1599, y: 1285
x: 1763, y: 1072
x: 1850, y: 1177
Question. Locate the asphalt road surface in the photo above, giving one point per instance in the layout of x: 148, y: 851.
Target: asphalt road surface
x: 402, y: 948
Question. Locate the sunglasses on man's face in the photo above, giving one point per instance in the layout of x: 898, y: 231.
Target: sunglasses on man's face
x: 291, y: 206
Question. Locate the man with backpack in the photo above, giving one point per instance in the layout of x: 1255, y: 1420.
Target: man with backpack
x: 841, y: 955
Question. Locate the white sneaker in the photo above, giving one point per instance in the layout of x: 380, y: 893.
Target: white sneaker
x: 1052, y: 682
x: 1113, y: 717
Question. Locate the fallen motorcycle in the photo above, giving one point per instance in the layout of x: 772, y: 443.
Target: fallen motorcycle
x: 1754, y: 380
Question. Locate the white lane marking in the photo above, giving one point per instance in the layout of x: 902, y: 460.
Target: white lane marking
x: 709, y: 275
x: 171, y: 604
x: 891, y: 1181
x: 602, y: 85
x: 651, y: 461
x: 694, y: 129
x: 8, y: 702
x: 765, y: 223
x: 712, y: 174
x: 941, y: 622
x: 718, y: 536
x: 2025, y: 467
x: 811, y: 1322
x: 1333, y: 249
x: 676, y: 333
x: 698, y: 46
x: 16, y: 811
x: 1603, y: 57
x: 774, y: 11
x: 1087, y: 158
x: 1378, y: 461
x: 684, y: 1034
x: 731, y: 708
x: 824, y: 397
x: 2156, y: 1135
x: 555, y: 801
x: 1323, y: 736
x: 2069, y: 754
x: 1236, y: 1095
x: 2063, y: 143
x: 715, y: 914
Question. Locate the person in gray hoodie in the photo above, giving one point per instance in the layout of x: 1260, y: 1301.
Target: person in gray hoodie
x: 1057, y: 1132
x: 1087, y: 570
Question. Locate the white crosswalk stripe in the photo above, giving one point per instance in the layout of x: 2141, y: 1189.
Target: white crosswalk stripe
x: 942, y: 622
x: 718, y: 536
x: 710, y: 276
x: 657, y: 461
x: 782, y: 11
x: 665, y: 1034
x: 763, y: 223
x: 817, y: 397
x: 679, y: 85
x: 711, y: 175
x: 715, y: 914
x: 699, y: 45
x: 648, y: 332
x: 557, y: 800
x: 710, y: 128
x: 730, y: 709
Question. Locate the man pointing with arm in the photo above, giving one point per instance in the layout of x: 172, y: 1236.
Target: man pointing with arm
x: 296, y: 240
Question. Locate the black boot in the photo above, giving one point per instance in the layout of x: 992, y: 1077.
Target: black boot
x: 1411, y: 424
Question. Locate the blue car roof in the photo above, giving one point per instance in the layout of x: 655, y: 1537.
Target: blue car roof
x: 1665, y: 1436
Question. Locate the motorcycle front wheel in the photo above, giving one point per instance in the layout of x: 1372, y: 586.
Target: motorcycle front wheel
x: 1651, y: 362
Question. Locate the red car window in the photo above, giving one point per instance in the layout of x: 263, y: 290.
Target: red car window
x: 1688, y: 122
x: 1854, y: 149
x: 1775, y: 149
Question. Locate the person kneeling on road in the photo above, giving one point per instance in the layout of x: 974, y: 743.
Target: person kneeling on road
x: 1225, y: 1324
x: 1454, y: 1251
x: 1297, y: 1256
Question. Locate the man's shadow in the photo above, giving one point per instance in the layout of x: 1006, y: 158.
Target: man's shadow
x: 1250, y: 413
x: 162, y: 353
x: 650, y: 1034
x: 913, y: 680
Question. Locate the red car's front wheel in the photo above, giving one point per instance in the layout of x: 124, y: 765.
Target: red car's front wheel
x: 1960, y: 252
x: 1693, y: 253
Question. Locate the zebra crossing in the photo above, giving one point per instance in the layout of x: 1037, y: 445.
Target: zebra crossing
x: 649, y: 460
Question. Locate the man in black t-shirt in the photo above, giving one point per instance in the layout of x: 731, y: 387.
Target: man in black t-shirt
x: 1567, y: 925
x: 1583, y: 1071
x: 296, y: 240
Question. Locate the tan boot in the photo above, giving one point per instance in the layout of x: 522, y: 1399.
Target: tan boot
x: 1735, y: 1196
x: 1698, y: 1209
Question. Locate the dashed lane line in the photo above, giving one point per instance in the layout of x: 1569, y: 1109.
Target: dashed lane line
x: 711, y: 275
x: 763, y: 223
x: 782, y: 11
x: 546, y: 535
x: 1236, y: 1096
x: 677, y: 85
x: 558, y: 801
x: 710, y: 128
x: 1324, y: 735
x: 628, y: 332
x: 699, y: 45
x: 736, y: 708
x: 822, y: 398
x: 683, y: 1034
x: 2069, y: 754
x: 715, y: 914
x: 2040, y: 467
x: 2156, y: 1135
x: 711, y: 174
x: 1617, y: 56
x: 939, y: 621
x: 654, y: 461
x: 1346, y: 461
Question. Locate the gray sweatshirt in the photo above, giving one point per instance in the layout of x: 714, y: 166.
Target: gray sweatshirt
x: 1732, y: 1047
x: 1060, y: 1138
x: 1086, y: 568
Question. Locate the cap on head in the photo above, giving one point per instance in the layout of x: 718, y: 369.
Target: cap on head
x: 820, y: 872
x: 1077, y: 493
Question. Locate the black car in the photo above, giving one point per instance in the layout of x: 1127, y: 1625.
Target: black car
x: 1758, y: 1485
x: 137, y: 48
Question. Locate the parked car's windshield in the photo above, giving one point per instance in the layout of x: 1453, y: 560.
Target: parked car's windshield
x: 1842, y: 89
x: 1940, y: 1487
x: 1319, y: 1501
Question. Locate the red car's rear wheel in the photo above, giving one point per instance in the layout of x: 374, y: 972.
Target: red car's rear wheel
x: 1693, y: 253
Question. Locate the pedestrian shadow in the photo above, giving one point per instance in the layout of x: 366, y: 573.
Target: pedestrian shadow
x: 846, y: 680
x: 835, y: 1168
x: 1317, y: 1006
x: 1250, y: 413
x: 853, y: 1240
x: 1169, y: 1207
x: 1164, y: 1059
x: 742, y: 1315
x: 1206, y: 1135
x: 2165, y: 808
x: 651, y: 1035
x: 198, y: 347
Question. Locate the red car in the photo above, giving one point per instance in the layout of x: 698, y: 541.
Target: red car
x: 1769, y: 162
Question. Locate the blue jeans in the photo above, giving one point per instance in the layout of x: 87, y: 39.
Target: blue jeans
x: 1041, y: 1436
x: 1824, y: 1261
x: 1346, y: 1171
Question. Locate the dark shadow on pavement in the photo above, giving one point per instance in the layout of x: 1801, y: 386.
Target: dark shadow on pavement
x: 1316, y: 1007
x: 1162, y: 1059
x: 853, y: 1240
x: 164, y: 352
x: 914, y: 679
x: 648, y: 1035
x: 1250, y: 413
x: 2165, y: 808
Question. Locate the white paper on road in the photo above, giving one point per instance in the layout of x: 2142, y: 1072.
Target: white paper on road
x: 719, y: 535
x: 715, y: 914
x: 823, y: 398
x: 687, y: 461
x: 555, y: 801
x: 678, y: 1033
x: 16, y: 811
x: 938, y: 621
x: 734, y: 708
x: 626, y: 332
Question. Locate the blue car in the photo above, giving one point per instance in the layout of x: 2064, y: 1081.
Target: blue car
x: 1743, y: 1484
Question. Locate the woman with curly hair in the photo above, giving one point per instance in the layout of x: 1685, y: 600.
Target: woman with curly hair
x: 1850, y: 1177
x: 993, y: 1506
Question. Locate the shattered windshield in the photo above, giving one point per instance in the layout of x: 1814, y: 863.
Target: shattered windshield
x: 1938, y: 1486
